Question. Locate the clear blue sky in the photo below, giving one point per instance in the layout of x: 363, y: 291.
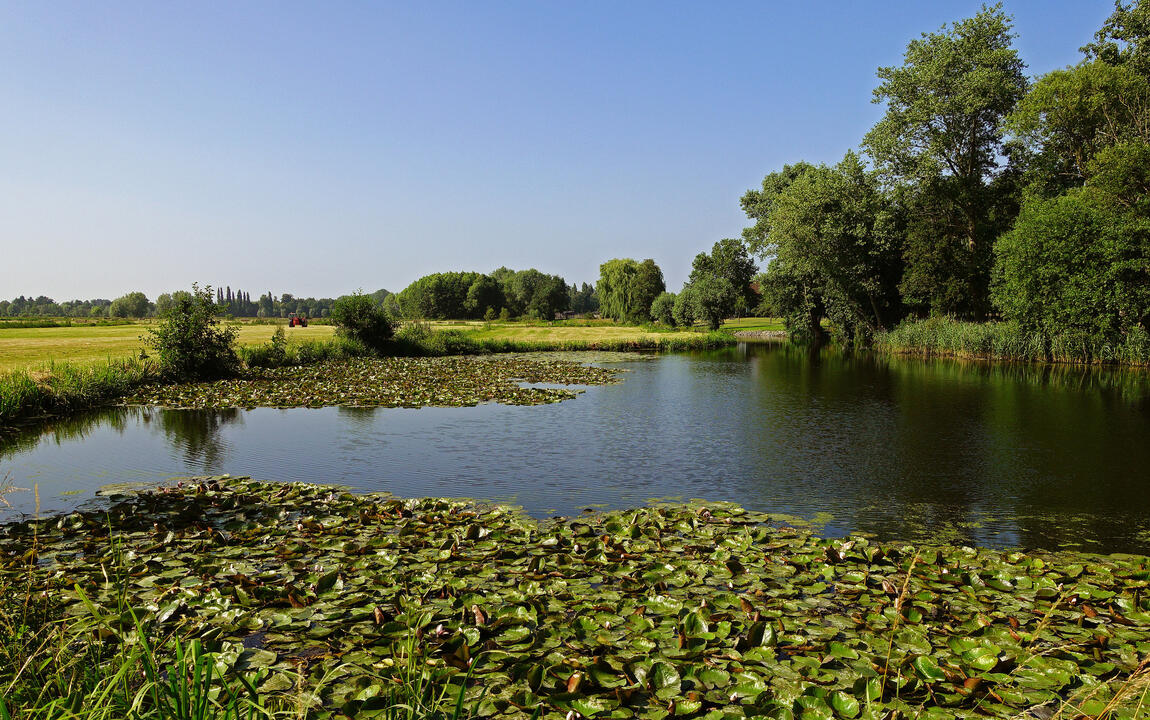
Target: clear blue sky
x: 316, y: 148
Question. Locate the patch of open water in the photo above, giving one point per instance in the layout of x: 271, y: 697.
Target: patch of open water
x: 989, y: 455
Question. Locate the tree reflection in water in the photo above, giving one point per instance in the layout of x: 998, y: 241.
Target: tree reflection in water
x: 197, y: 434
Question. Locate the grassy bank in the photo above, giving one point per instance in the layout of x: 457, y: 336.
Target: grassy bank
x: 946, y: 337
x: 62, y: 388
x: 308, y: 599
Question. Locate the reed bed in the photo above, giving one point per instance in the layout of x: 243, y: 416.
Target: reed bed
x: 1007, y: 341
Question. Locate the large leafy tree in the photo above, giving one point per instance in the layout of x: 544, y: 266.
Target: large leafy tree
x: 941, y: 142
x: 730, y: 261
x: 627, y: 288
x: 1124, y: 39
x: 439, y: 296
x: 1072, y: 114
x: 132, y: 305
x: 541, y: 295
x: 833, y: 253
x: 1076, y: 264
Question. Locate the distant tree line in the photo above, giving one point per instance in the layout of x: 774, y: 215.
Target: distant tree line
x: 131, y: 305
x: 978, y: 195
x: 503, y: 293
x: 237, y: 303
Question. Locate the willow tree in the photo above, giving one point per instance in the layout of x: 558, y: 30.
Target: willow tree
x: 627, y: 288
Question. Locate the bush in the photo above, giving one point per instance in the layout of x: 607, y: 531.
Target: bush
x: 358, y: 318
x: 273, y: 354
x: 1074, y: 268
x: 663, y: 308
x: 684, y: 309
x: 189, y: 341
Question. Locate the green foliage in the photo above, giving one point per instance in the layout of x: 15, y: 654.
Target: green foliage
x: 663, y: 308
x: 730, y: 260
x: 1070, y: 115
x: 444, y: 296
x: 1009, y: 341
x: 66, y: 388
x: 627, y: 288
x: 43, y: 306
x: 189, y: 341
x: 833, y: 251
x: 1076, y: 266
x: 713, y: 297
x: 942, y: 141
x: 535, y: 294
x: 720, y: 283
x: 469, y: 295
x: 132, y: 305
x: 685, y: 309
x: 583, y: 299
x: 644, y: 618
x: 483, y: 296
x: 272, y: 354
x: 1124, y: 39
x: 359, y: 318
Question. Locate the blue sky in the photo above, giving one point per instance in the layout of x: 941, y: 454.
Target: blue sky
x: 317, y: 148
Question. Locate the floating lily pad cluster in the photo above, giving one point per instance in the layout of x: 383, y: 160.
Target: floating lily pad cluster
x: 386, y: 382
x: 676, y: 610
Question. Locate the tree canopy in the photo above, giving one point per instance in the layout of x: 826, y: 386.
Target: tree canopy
x: 627, y: 288
x: 941, y: 141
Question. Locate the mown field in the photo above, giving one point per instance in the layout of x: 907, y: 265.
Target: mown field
x: 23, y: 348
x: 30, y: 348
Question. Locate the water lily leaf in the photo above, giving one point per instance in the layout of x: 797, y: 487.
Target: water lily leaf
x: 665, y: 680
x: 761, y: 633
x: 714, y: 677
x: 844, y: 705
x: 276, y: 682
x: 592, y: 706
x: 927, y: 669
x: 255, y: 658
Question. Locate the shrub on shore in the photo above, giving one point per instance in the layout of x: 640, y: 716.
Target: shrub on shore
x: 189, y: 341
x: 358, y: 317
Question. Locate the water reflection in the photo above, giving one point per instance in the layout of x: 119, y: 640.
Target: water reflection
x: 197, y: 434
x: 1022, y: 455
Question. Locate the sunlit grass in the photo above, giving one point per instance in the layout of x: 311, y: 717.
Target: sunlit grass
x: 34, y: 348
x: 755, y: 324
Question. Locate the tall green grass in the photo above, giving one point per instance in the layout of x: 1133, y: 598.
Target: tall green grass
x: 947, y: 337
x: 63, y: 388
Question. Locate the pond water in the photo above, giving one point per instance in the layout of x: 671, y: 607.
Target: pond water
x: 1005, y: 456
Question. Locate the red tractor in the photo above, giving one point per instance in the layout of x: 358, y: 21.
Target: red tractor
x: 294, y: 320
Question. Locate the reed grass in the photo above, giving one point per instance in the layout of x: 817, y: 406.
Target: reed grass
x: 63, y: 388
x: 1007, y: 341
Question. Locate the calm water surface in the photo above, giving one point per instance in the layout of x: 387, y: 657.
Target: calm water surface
x: 903, y: 449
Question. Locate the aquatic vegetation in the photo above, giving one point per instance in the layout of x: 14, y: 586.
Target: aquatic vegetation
x: 694, y: 610
x: 386, y: 382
